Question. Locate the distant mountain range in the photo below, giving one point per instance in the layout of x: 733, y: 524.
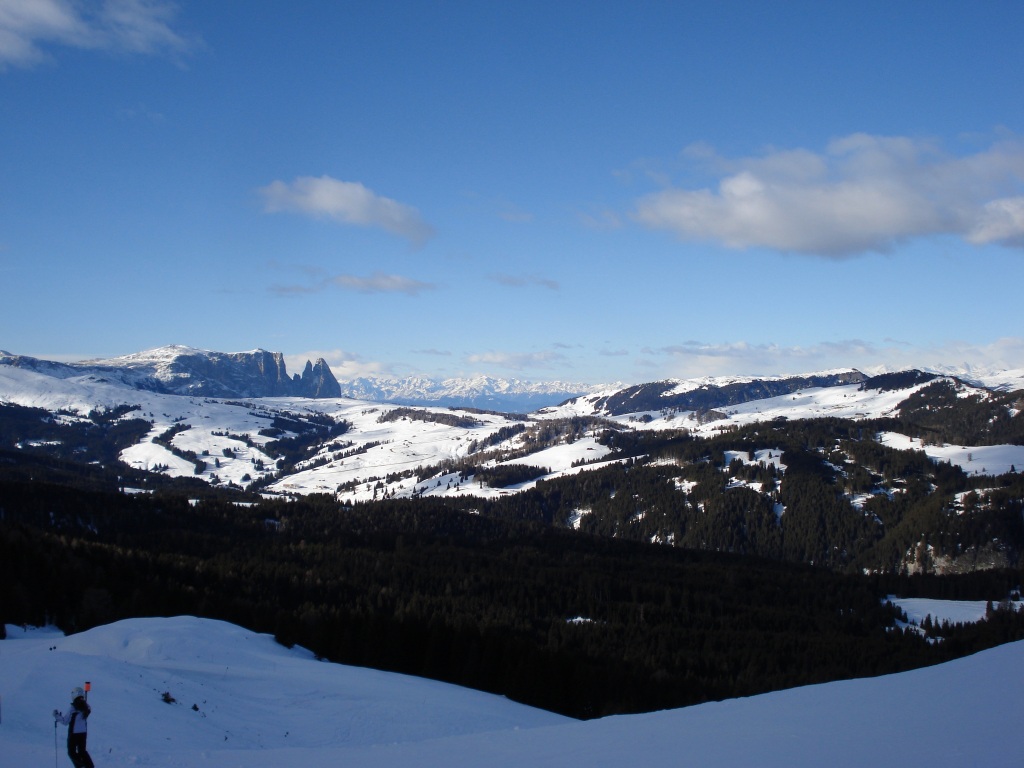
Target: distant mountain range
x: 182, y: 370
x: 179, y: 370
x: 485, y: 392
x: 840, y: 467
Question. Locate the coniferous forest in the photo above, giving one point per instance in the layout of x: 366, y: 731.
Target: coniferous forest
x: 498, y: 598
x: 690, y: 569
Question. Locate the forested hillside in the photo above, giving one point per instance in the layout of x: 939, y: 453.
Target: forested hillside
x: 850, y: 494
x: 824, y: 492
x: 577, y: 623
x: 576, y: 560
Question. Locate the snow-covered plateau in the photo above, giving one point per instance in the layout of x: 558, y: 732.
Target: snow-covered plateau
x: 185, y: 692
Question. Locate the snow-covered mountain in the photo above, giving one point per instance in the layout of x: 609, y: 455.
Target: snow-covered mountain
x: 725, y: 392
x: 387, y: 451
x: 186, y: 693
x: 712, y: 392
x: 186, y: 371
x: 182, y: 370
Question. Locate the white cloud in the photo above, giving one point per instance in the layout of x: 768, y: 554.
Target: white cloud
x: 29, y: 27
x: 1000, y: 221
x: 348, y: 202
x: 26, y: 23
x: 517, y: 361
x: 1006, y: 353
x: 695, y: 358
x: 141, y: 26
x: 863, y: 193
x: 344, y: 365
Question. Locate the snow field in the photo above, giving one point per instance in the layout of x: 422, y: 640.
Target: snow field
x: 979, y: 460
x: 395, y: 447
x: 232, y: 690
x: 264, y: 706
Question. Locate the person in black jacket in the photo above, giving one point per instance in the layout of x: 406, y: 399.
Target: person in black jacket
x: 77, y: 721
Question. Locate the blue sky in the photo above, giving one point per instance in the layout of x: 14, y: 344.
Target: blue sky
x: 613, y: 191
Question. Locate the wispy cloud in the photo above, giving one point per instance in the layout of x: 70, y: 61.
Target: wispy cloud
x: 694, y: 358
x: 863, y: 193
x: 1000, y: 221
x: 378, y: 282
x: 602, y: 220
x: 29, y: 28
x: 141, y: 112
x: 381, y: 283
x: 514, y: 214
x: 347, y: 202
x: 433, y: 352
x: 517, y: 361
x: 524, y: 281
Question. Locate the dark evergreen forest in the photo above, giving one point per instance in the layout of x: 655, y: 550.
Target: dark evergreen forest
x: 910, y: 519
x: 578, y: 623
x: 684, y: 573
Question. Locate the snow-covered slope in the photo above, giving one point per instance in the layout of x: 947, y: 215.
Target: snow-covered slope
x: 1007, y: 380
x: 378, y: 454
x: 241, y: 700
x: 850, y: 401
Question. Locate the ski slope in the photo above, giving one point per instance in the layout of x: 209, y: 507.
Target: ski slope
x: 242, y: 700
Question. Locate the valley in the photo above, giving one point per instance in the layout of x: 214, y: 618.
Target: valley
x: 725, y: 544
x: 879, y: 452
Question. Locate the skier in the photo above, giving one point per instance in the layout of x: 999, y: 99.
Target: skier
x: 77, y: 722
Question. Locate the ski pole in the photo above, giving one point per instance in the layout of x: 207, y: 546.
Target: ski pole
x: 55, y: 743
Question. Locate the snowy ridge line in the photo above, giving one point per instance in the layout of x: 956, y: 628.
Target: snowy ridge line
x: 227, y: 436
x: 238, y: 698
